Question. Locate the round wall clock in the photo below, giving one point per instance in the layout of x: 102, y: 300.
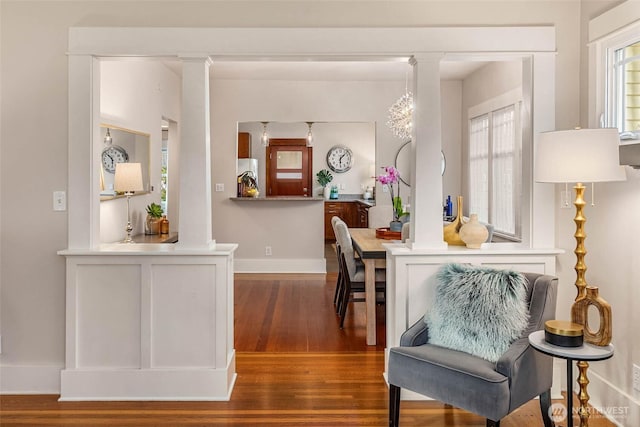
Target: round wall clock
x: 339, y: 158
x: 112, y: 155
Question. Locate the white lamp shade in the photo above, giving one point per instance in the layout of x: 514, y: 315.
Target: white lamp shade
x: 128, y: 177
x: 579, y: 155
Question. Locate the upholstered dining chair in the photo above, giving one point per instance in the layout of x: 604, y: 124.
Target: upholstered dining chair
x: 340, y: 279
x: 352, y: 272
x: 490, y: 389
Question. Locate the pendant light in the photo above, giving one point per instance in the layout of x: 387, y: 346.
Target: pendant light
x: 401, y: 114
x: 309, y: 135
x: 265, y: 135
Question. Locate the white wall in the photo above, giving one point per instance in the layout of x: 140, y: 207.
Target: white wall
x: 294, y: 230
x: 612, y: 258
x: 33, y: 131
x: 137, y: 95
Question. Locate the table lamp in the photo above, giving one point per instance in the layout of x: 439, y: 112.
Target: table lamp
x: 579, y: 156
x: 128, y: 179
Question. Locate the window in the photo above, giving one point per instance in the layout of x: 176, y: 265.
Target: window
x: 624, y: 88
x: 494, y: 168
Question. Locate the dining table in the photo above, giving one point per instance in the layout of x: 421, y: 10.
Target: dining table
x: 373, y: 255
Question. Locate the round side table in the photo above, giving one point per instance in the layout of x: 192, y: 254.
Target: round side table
x: 584, y: 353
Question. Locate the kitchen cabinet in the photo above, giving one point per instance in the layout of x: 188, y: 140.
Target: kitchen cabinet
x: 353, y: 212
x: 244, y: 145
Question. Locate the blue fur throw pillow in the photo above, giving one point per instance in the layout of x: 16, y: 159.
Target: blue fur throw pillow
x: 478, y: 310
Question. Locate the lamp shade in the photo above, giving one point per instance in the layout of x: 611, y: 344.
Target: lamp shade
x: 578, y: 155
x: 128, y: 177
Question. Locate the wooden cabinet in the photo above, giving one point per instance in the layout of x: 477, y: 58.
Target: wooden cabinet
x: 354, y: 213
x: 362, y: 214
x: 244, y: 145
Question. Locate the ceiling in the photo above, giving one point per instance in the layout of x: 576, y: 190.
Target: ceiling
x: 328, y: 70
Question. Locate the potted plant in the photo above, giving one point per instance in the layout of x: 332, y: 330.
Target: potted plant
x: 390, y: 177
x: 324, y: 178
x: 154, y: 217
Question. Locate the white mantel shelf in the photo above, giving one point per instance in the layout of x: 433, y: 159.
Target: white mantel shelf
x: 487, y: 249
x: 151, y: 249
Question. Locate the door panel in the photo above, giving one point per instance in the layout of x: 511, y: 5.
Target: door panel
x: 289, y: 168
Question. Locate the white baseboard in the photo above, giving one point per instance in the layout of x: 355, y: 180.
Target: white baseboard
x: 616, y: 405
x: 177, y: 384
x: 297, y: 265
x: 30, y: 379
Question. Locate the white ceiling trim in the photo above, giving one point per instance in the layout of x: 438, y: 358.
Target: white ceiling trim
x: 317, y: 43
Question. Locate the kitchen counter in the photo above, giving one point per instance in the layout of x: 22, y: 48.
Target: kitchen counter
x: 278, y: 199
x: 353, y: 198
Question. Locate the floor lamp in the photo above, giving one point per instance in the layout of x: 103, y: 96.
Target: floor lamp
x: 128, y: 179
x: 578, y: 156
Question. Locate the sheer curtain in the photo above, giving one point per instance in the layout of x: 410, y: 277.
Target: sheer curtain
x: 503, y: 147
x: 493, y: 171
x: 479, y: 167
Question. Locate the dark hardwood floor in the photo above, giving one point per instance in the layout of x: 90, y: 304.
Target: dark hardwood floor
x: 295, y: 367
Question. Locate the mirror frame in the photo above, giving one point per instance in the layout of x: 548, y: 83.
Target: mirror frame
x: 406, y: 143
x: 146, y: 161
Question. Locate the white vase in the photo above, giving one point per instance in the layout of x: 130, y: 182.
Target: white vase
x: 473, y: 234
x: 326, y: 191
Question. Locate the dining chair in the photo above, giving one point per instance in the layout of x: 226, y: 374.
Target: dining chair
x: 352, y: 273
x: 339, y: 280
x: 380, y: 216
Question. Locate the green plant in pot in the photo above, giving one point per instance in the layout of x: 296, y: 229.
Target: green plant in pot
x: 154, y: 217
x: 324, y: 178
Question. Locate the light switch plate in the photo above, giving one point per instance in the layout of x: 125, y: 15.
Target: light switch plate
x: 219, y: 187
x: 59, y: 201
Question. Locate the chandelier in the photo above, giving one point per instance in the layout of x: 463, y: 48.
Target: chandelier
x: 401, y: 116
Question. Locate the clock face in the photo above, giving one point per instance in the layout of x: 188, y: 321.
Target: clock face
x: 113, y: 155
x: 339, y: 159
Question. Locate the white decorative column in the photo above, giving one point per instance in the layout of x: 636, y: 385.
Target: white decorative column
x: 426, y: 204
x: 195, y: 156
x: 84, y: 152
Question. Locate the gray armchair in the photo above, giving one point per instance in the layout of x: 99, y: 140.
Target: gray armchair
x: 492, y: 390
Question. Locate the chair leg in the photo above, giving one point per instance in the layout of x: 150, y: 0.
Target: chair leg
x: 394, y: 405
x: 491, y: 423
x: 545, y: 404
x: 346, y: 295
x: 338, y: 288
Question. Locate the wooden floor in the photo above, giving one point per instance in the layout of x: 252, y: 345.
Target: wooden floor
x: 295, y: 367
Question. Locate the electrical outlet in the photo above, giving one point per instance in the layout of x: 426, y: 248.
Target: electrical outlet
x: 59, y: 201
x: 636, y: 377
x: 267, y: 250
x: 219, y: 187
x: 385, y: 188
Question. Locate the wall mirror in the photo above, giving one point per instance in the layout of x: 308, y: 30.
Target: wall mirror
x: 122, y: 145
x: 403, y: 163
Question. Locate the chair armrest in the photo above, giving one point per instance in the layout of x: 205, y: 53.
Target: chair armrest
x: 530, y: 372
x: 506, y: 365
x: 416, y: 335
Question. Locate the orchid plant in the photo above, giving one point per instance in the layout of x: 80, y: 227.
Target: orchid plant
x: 390, y: 177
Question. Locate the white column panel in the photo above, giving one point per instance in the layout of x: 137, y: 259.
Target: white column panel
x: 183, y: 322
x: 426, y: 204
x: 195, y: 156
x: 84, y: 134
x: 108, y: 325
